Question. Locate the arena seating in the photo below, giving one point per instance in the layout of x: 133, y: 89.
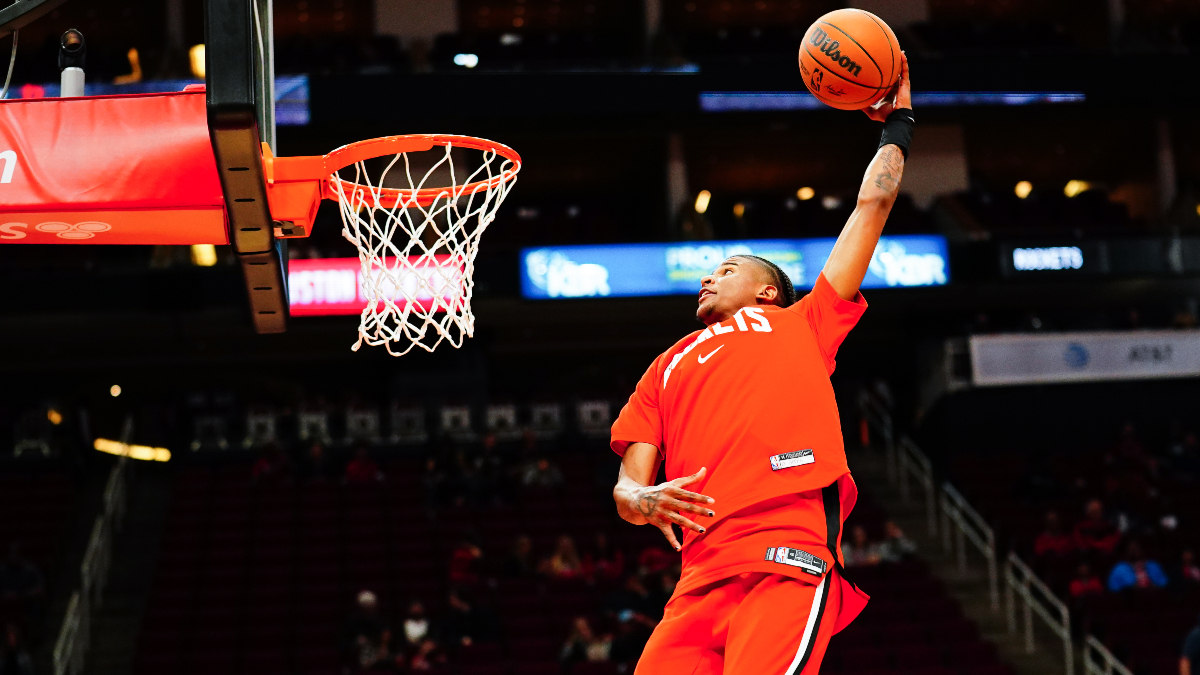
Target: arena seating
x: 1145, y: 496
x: 36, y: 505
x: 259, y: 577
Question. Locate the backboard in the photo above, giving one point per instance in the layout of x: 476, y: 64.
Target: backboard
x: 240, y: 79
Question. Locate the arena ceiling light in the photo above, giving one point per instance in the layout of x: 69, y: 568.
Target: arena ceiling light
x: 114, y: 390
x: 142, y: 452
x: 1023, y: 189
x: 805, y: 193
x: 1074, y: 187
x: 466, y: 60
x: 204, y: 255
x: 196, y: 61
x: 702, y: 201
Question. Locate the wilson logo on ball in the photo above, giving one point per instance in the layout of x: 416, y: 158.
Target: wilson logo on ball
x: 832, y: 48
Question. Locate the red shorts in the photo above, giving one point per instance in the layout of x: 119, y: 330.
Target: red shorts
x: 749, y: 624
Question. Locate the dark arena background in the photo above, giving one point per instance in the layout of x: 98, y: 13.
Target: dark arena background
x: 1020, y: 404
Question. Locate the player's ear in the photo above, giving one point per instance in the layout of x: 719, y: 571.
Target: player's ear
x: 768, y: 294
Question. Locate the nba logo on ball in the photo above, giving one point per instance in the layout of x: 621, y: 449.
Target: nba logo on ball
x: 850, y: 59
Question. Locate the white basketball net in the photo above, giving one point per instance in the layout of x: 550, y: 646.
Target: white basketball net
x: 418, y: 261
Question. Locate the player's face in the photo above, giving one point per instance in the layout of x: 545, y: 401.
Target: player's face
x: 736, y: 283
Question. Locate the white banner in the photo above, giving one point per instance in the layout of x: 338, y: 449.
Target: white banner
x: 1084, y: 357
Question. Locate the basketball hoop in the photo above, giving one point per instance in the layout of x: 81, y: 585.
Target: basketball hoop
x: 417, y: 242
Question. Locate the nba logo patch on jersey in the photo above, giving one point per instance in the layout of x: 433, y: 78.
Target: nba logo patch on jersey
x: 797, y: 558
x: 789, y: 459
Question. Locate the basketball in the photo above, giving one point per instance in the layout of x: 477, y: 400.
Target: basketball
x: 849, y: 59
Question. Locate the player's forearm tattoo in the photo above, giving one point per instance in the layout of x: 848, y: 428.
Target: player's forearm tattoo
x: 892, y: 160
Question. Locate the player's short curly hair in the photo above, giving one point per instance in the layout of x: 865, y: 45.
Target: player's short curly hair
x: 787, y: 293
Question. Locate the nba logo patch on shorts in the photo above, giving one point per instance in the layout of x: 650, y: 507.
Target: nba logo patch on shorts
x: 789, y: 459
x: 797, y: 558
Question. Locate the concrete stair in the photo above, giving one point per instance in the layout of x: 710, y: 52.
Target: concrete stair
x: 969, y: 586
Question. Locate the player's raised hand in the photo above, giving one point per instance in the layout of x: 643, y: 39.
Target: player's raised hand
x: 664, y: 504
x: 900, y: 97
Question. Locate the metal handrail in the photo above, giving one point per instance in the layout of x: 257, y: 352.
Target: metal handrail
x: 1037, y: 598
x: 75, y: 634
x: 969, y: 526
x: 877, y: 416
x: 1111, y: 666
x: 913, y: 461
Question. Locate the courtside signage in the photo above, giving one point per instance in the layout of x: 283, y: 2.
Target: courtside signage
x: 331, y: 286
x: 631, y: 270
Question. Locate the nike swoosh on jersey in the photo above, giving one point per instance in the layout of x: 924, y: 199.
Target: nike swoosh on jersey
x: 708, y: 356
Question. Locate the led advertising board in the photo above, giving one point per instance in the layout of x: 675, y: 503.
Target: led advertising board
x: 632, y: 270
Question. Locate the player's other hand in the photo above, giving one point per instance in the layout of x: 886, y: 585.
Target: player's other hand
x: 664, y: 504
x: 899, y: 97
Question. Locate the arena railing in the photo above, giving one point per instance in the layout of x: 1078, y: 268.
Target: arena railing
x: 74, y: 637
x: 915, y: 463
x: 877, y: 415
x: 968, y: 525
x: 1108, y: 665
x: 1037, y: 598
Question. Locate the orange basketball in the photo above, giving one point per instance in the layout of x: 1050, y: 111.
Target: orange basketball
x: 849, y: 59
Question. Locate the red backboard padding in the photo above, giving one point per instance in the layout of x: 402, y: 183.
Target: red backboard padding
x: 135, y: 169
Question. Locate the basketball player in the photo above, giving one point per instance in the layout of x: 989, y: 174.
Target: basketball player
x: 744, y: 416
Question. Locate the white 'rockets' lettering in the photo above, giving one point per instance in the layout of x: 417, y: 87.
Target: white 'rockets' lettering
x: 760, y: 325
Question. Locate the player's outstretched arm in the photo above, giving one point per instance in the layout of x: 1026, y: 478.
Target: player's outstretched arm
x: 847, y: 264
x: 641, y: 503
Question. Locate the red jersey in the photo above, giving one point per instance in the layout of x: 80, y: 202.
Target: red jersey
x: 750, y: 399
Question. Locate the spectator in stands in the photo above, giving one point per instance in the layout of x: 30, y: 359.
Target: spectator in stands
x: 1053, y: 542
x: 314, y: 466
x: 519, y: 563
x: 1095, y: 533
x: 542, y: 474
x: 1189, y: 660
x: 564, y: 563
x: 14, y: 657
x: 629, y: 643
x: 367, y: 635
x: 633, y: 602
x: 602, y: 562
x: 272, y: 465
x: 1136, y: 571
x: 654, y: 560
x: 895, y: 547
x: 433, y: 483
x: 362, y: 469
x: 465, y: 562
x: 20, y: 579
x: 860, y: 552
x: 584, y: 645
x: 1184, y: 457
x: 416, y: 626
x: 1085, y: 583
x: 465, y: 622
x: 1189, y: 571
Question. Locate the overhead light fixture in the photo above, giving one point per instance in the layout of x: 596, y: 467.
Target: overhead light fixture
x: 1075, y: 187
x: 135, y: 69
x: 1198, y: 209
x: 805, y: 193
x: 115, y: 390
x: 466, y: 60
x: 830, y: 202
x: 739, y: 210
x: 196, y: 59
x: 702, y: 201
x: 54, y: 416
x: 142, y: 452
x: 1023, y: 189
x: 204, y: 255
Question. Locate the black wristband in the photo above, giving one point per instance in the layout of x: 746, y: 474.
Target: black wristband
x: 898, y: 129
